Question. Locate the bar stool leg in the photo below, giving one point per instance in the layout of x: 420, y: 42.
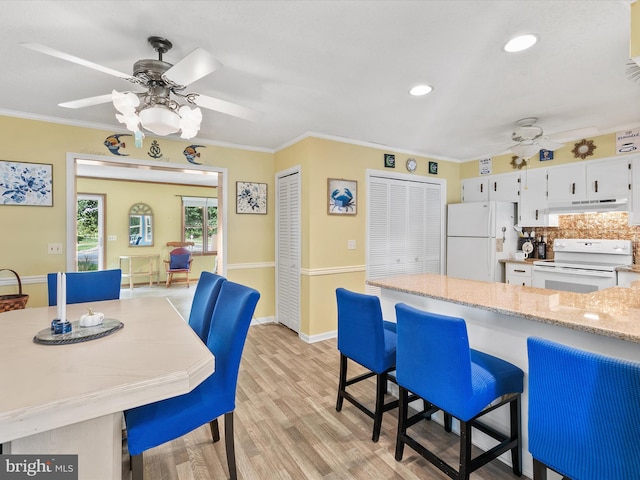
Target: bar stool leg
x: 516, y: 457
x: 465, y: 451
x: 402, y: 421
x: 342, y: 383
x: 539, y: 470
x: 381, y: 388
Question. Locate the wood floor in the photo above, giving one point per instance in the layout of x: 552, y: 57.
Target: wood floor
x: 286, y: 425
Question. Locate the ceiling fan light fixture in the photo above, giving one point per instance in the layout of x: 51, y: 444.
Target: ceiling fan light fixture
x: 125, y: 102
x: 190, y: 119
x: 160, y: 120
x: 520, y: 43
x: 525, y: 151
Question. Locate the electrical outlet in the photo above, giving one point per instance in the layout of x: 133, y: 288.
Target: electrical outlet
x: 54, y: 249
x: 351, y: 244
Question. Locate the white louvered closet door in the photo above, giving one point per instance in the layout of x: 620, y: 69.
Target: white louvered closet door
x: 404, y: 228
x: 288, y: 251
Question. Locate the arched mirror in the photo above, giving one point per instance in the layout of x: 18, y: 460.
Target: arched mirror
x: 140, y: 225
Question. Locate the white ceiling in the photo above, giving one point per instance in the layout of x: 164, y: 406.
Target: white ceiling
x: 341, y: 68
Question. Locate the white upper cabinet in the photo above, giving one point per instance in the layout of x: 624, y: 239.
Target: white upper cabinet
x: 567, y: 183
x: 475, y: 189
x: 597, y: 180
x: 608, y: 179
x: 533, y: 206
x: 634, y: 211
x: 505, y: 187
x: 499, y: 188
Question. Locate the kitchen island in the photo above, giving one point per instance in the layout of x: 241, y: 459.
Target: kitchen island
x: 500, y: 317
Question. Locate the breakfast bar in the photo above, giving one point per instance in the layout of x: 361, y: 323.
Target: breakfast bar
x: 500, y: 317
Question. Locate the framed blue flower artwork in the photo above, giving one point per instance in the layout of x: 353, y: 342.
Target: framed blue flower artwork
x: 26, y: 184
x: 251, y: 197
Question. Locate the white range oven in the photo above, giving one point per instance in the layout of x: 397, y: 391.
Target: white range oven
x: 582, y: 265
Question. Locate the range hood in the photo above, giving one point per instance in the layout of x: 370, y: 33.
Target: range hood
x: 585, y: 206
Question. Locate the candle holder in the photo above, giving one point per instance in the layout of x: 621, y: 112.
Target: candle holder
x: 59, y: 327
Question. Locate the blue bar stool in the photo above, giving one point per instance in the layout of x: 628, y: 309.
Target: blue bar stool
x: 584, y: 413
x: 365, y: 338
x: 434, y: 362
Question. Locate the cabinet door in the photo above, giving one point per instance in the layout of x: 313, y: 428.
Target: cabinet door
x: 609, y: 179
x: 475, y: 189
x: 634, y: 208
x: 533, y: 205
x: 567, y: 183
x: 505, y: 188
x: 625, y: 279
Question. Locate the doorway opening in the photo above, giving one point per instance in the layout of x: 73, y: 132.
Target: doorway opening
x: 139, y: 176
x: 90, y: 232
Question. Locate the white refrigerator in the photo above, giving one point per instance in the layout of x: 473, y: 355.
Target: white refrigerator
x: 479, y: 235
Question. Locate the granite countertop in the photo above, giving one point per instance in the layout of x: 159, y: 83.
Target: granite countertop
x: 613, y: 312
x: 631, y: 268
x: 528, y: 261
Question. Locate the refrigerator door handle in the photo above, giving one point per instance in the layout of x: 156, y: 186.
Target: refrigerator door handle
x: 492, y: 234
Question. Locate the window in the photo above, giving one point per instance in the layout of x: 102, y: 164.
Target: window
x: 200, y: 223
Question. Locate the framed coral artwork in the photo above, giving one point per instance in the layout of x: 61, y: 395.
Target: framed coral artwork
x: 342, y: 196
x: 26, y: 184
x: 251, y: 198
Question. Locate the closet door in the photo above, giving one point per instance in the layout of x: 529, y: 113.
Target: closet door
x: 288, y: 250
x: 404, y: 228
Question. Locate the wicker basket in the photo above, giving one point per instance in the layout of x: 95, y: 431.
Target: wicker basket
x: 13, y: 301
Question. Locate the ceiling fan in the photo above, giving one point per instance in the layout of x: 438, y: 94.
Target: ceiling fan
x: 158, y: 107
x: 530, y: 140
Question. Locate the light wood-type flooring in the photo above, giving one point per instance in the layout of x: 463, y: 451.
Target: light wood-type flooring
x: 286, y: 425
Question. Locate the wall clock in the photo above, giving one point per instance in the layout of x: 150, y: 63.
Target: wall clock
x: 412, y: 164
x: 583, y: 149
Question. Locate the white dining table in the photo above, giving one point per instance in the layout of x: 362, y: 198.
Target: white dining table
x: 69, y: 399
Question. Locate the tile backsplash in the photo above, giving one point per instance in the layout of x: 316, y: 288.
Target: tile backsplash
x: 610, y: 225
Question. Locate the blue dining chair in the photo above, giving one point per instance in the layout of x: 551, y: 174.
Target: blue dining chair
x: 151, y: 425
x: 91, y: 286
x: 584, y: 413
x: 435, y: 362
x: 204, y: 299
x: 365, y: 338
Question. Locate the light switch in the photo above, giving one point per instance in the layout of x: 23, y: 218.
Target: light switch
x: 112, y: 238
x: 351, y: 244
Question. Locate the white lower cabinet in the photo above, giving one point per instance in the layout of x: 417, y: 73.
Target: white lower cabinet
x: 625, y: 279
x: 518, y: 273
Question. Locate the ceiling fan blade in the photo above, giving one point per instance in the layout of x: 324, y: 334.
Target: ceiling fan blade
x: 576, y: 134
x: 547, y: 144
x: 70, y: 58
x: 199, y: 63
x: 87, y: 102
x: 223, y: 106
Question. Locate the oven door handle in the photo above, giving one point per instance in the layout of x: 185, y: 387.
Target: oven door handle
x: 574, y: 271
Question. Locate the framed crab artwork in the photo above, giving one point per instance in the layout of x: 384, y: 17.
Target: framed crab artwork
x: 342, y: 196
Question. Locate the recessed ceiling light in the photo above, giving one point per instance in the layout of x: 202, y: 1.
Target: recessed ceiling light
x: 520, y: 43
x: 420, y: 90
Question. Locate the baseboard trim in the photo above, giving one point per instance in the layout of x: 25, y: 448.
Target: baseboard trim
x: 321, y: 337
